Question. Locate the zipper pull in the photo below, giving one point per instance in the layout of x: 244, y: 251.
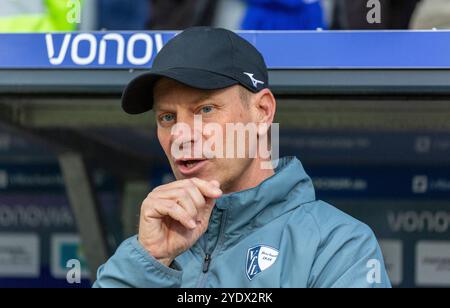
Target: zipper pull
x: 206, y: 263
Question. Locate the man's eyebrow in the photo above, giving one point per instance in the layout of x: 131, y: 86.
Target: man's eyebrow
x: 156, y: 108
x: 194, y: 101
x: 201, y: 98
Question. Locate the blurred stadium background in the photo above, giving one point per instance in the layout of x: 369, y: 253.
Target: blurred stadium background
x: 372, y: 129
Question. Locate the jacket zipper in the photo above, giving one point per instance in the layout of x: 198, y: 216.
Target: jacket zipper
x: 209, y: 255
x: 206, y: 263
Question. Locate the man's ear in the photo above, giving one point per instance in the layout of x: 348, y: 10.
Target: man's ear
x: 265, y: 105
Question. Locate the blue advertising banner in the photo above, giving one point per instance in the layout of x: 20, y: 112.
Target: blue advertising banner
x: 38, y: 231
x: 365, y: 181
x: 15, y: 146
x: 356, y: 148
x: 321, y: 147
x: 282, y: 50
x: 413, y: 235
x: 378, y: 182
x: 43, y: 177
x: 38, y: 236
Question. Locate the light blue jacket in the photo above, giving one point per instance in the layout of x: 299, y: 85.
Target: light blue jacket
x: 274, y: 235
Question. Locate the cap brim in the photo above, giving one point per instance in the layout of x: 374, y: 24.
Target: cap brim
x: 138, y: 95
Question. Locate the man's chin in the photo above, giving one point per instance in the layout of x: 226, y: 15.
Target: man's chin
x: 180, y: 176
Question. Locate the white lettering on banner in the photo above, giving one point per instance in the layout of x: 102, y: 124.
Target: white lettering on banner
x: 35, y: 216
x: 19, y: 255
x: 426, y: 221
x: 120, y: 48
x: 420, y: 184
x: 35, y: 180
x: 327, y: 143
x: 51, y: 49
x: 98, y: 48
x: 92, y: 49
x: 432, y: 264
x: 340, y: 184
x: 440, y: 185
x: 423, y: 144
x: 148, y: 51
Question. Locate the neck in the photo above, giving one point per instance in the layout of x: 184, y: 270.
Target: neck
x: 251, y: 177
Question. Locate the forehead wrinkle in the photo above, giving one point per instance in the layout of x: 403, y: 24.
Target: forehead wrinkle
x: 198, y: 96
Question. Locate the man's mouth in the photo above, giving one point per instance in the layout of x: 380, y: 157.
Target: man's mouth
x: 190, y: 166
x: 190, y: 163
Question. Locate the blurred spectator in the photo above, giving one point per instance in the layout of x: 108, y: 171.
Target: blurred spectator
x: 123, y: 14
x: 36, y: 16
x: 181, y: 14
x: 283, y: 15
x: 352, y: 14
x: 432, y: 14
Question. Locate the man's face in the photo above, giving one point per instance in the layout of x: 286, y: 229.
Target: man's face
x: 175, y: 103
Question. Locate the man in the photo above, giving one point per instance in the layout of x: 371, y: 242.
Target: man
x: 231, y: 222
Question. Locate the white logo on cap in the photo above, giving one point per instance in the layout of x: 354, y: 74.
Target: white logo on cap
x: 254, y: 81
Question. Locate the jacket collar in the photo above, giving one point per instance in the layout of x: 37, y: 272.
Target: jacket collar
x: 257, y: 206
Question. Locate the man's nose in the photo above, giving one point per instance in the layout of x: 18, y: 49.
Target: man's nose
x: 187, y: 131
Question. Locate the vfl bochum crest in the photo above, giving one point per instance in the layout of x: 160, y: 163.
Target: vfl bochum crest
x: 260, y: 258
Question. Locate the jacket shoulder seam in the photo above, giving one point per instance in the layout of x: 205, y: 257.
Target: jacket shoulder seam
x: 308, y: 211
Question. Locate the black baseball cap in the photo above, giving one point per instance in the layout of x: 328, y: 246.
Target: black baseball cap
x: 203, y: 58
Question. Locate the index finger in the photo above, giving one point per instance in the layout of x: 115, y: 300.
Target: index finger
x: 207, y: 188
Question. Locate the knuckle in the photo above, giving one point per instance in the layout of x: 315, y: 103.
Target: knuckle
x: 146, y: 210
x: 193, y: 211
x: 184, y: 193
x: 171, y: 206
x: 147, y: 202
x: 198, y: 192
x: 146, y: 213
x: 190, y: 183
x: 186, y: 182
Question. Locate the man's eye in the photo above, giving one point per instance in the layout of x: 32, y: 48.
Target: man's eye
x: 207, y: 109
x: 167, y: 117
